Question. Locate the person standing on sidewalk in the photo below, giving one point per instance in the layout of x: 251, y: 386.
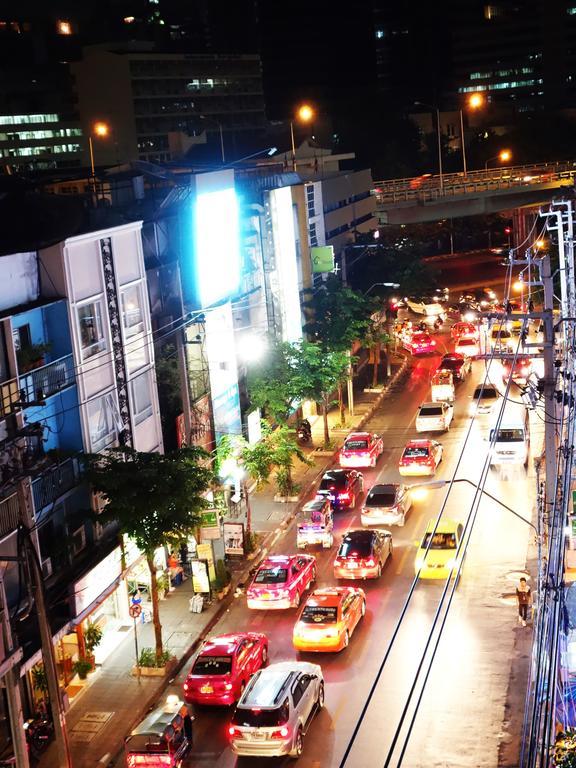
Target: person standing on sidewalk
x: 524, y: 597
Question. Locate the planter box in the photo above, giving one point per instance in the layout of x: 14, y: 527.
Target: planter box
x: 154, y: 671
x: 286, y: 499
x: 321, y: 452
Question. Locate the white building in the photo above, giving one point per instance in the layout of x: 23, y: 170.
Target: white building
x: 103, y: 277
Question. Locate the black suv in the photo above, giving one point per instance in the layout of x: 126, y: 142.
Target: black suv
x: 457, y: 364
x: 342, y: 486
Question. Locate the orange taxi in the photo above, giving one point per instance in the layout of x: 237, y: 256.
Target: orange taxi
x: 329, y: 618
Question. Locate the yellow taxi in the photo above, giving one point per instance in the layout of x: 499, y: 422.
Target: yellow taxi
x: 436, y: 557
x: 329, y: 618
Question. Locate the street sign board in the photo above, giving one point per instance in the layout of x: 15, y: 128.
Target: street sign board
x: 209, y: 518
x: 322, y: 257
x: 135, y: 610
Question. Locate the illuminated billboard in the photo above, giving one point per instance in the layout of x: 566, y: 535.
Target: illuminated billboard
x: 223, y: 371
x: 216, y: 237
x: 284, y: 234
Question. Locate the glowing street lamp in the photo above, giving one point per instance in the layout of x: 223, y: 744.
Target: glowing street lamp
x: 304, y: 114
x: 474, y: 101
x: 504, y: 156
x: 101, y: 130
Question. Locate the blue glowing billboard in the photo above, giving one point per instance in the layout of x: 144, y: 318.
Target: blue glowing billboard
x: 216, y: 237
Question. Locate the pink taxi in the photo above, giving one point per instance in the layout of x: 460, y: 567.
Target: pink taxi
x: 280, y: 581
x: 361, y: 449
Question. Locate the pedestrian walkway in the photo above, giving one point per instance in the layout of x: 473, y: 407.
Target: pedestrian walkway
x: 114, y: 700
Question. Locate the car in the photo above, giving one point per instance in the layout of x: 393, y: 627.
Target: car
x: 420, y: 457
x: 520, y: 369
x: 386, y: 504
x: 434, y: 417
x: 469, y: 311
x: 484, y: 400
x: 426, y: 305
x: 485, y: 298
x: 464, y: 331
x: 500, y: 339
x: 457, y: 364
x: 280, y: 581
x: 223, y: 666
x: 467, y: 347
x: 328, y: 619
x: 315, y: 524
x: 362, y: 554
x: 342, y: 486
x: 442, y: 387
x: 420, y: 343
x: 437, y: 556
x: 276, y: 710
x: 361, y: 449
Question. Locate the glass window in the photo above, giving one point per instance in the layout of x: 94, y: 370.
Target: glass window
x: 100, y: 423
x: 212, y: 665
x: 132, y: 310
x: 91, y: 330
x: 319, y: 614
x: 440, y: 541
x: 141, y: 397
x: 275, y: 575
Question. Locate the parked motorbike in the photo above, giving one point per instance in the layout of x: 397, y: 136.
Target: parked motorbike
x: 304, y: 432
x: 39, y: 734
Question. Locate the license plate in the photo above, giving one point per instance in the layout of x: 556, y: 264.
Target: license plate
x: 352, y: 565
x: 206, y: 689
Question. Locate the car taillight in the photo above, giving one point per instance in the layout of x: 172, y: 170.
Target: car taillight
x: 370, y: 563
x: 344, y: 496
x: 232, y: 731
x: 433, y: 343
x: 185, y: 686
x: 228, y: 686
x: 281, y: 733
x: 337, y: 563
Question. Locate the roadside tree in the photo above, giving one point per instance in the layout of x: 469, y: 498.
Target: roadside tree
x: 156, y: 500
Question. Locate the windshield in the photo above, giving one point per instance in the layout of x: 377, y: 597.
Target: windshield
x: 431, y: 411
x: 355, y: 445
x: 501, y: 333
x: 261, y: 718
x: 384, y: 499
x: 355, y: 548
x: 440, y: 541
x: 319, y: 614
x: 485, y: 394
x: 508, y: 436
x: 271, y: 576
x: 466, y: 343
x: 332, y: 483
x: 451, y: 364
x: 142, y: 743
x: 415, y: 452
x: 212, y: 665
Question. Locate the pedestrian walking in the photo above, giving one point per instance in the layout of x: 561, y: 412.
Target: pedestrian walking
x: 524, y: 596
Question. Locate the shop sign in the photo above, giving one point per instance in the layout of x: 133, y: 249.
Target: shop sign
x: 209, y: 518
x: 322, y: 257
x: 205, y: 552
x: 222, y: 367
x: 234, y: 538
x: 96, y: 581
x: 200, y: 581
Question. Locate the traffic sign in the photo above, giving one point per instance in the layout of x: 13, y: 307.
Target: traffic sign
x: 135, y: 610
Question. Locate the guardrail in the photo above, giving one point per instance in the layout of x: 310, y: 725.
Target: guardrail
x: 9, y: 515
x: 429, y: 188
x: 54, y: 482
x: 40, y: 383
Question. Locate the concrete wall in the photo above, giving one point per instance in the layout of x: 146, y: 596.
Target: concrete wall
x: 18, y: 279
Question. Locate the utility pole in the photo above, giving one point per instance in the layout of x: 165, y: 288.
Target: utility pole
x: 48, y: 658
x: 549, y: 383
x: 12, y: 688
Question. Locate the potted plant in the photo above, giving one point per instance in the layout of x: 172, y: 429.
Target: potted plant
x: 149, y: 665
x: 31, y: 356
x: 39, y: 680
x: 251, y: 545
x: 222, y: 582
x: 163, y: 583
x: 81, y: 667
x: 92, y: 639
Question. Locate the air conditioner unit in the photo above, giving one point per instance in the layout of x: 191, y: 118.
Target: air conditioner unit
x: 47, y: 567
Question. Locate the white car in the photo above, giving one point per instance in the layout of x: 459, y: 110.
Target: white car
x: 434, y: 417
x: 276, y: 709
x: 468, y: 347
x: 484, y: 400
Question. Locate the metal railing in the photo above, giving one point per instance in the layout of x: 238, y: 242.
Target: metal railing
x: 9, y: 515
x: 429, y: 188
x: 54, y: 482
x: 40, y: 383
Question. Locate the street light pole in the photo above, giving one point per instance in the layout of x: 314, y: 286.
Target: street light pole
x: 463, y: 142
x: 293, y: 146
x: 439, y: 131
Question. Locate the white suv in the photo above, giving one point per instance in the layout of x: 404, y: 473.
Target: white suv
x: 274, y: 712
x: 434, y: 417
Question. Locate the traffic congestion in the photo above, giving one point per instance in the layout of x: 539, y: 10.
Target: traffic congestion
x: 285, y: 671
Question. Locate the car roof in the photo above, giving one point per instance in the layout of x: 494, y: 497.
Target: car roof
x: 318, y: 503
x: 329, y: 597
x: 418, y: 443
x: 444, y: 526
x: 271, y: 680
x: 360, y: 535
x: 358, y: 435
x: 456, y: 356
x: 336, y: 474
x: 487, y: 385
x: 431, y: 405
x: 221, y: 645
x: 277, y: 560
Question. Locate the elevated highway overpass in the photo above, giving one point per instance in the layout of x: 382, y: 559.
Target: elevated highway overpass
x: 430, y: 198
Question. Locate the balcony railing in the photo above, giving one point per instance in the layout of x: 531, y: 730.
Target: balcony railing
x: 9, y: 515
x: 40, y: 383
x: 9, y: 397
x: 54, y: 482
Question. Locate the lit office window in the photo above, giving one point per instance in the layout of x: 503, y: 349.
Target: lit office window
x: 132, y: 310
x: 91, y: 330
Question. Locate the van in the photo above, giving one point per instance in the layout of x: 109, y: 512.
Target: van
x: 510, y: 435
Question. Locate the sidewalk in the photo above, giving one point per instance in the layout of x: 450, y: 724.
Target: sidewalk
x: 114, y: 701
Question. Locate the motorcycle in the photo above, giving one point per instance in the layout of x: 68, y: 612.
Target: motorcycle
x: 39, y: 734
x: 304, y: 432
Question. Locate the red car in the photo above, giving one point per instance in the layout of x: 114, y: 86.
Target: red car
x: 420, y: 457
x: 342, y: 486
x: 280, y: 581
x: 223, y: 667
x: 361, y: 449
x: 464, y: 331
x: 420, y: 343
x: 519, y: 370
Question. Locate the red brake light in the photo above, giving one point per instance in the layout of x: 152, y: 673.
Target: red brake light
x: 232, y: 731
x: 337, y: 563
x: 281, y: 733
x: 370, y: 563
x: 433, y: 343
x: 344, y: 495
x: 185, y: 686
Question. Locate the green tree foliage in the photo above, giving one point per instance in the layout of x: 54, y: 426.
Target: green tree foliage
x: 156, y: 500
x: 269, y: 383
x: 169, y: 396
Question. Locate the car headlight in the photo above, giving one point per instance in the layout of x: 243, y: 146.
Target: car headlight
x: 420, y: 563
x: 452, y: 563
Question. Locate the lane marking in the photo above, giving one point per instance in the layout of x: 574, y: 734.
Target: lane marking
x: 402, y: 562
